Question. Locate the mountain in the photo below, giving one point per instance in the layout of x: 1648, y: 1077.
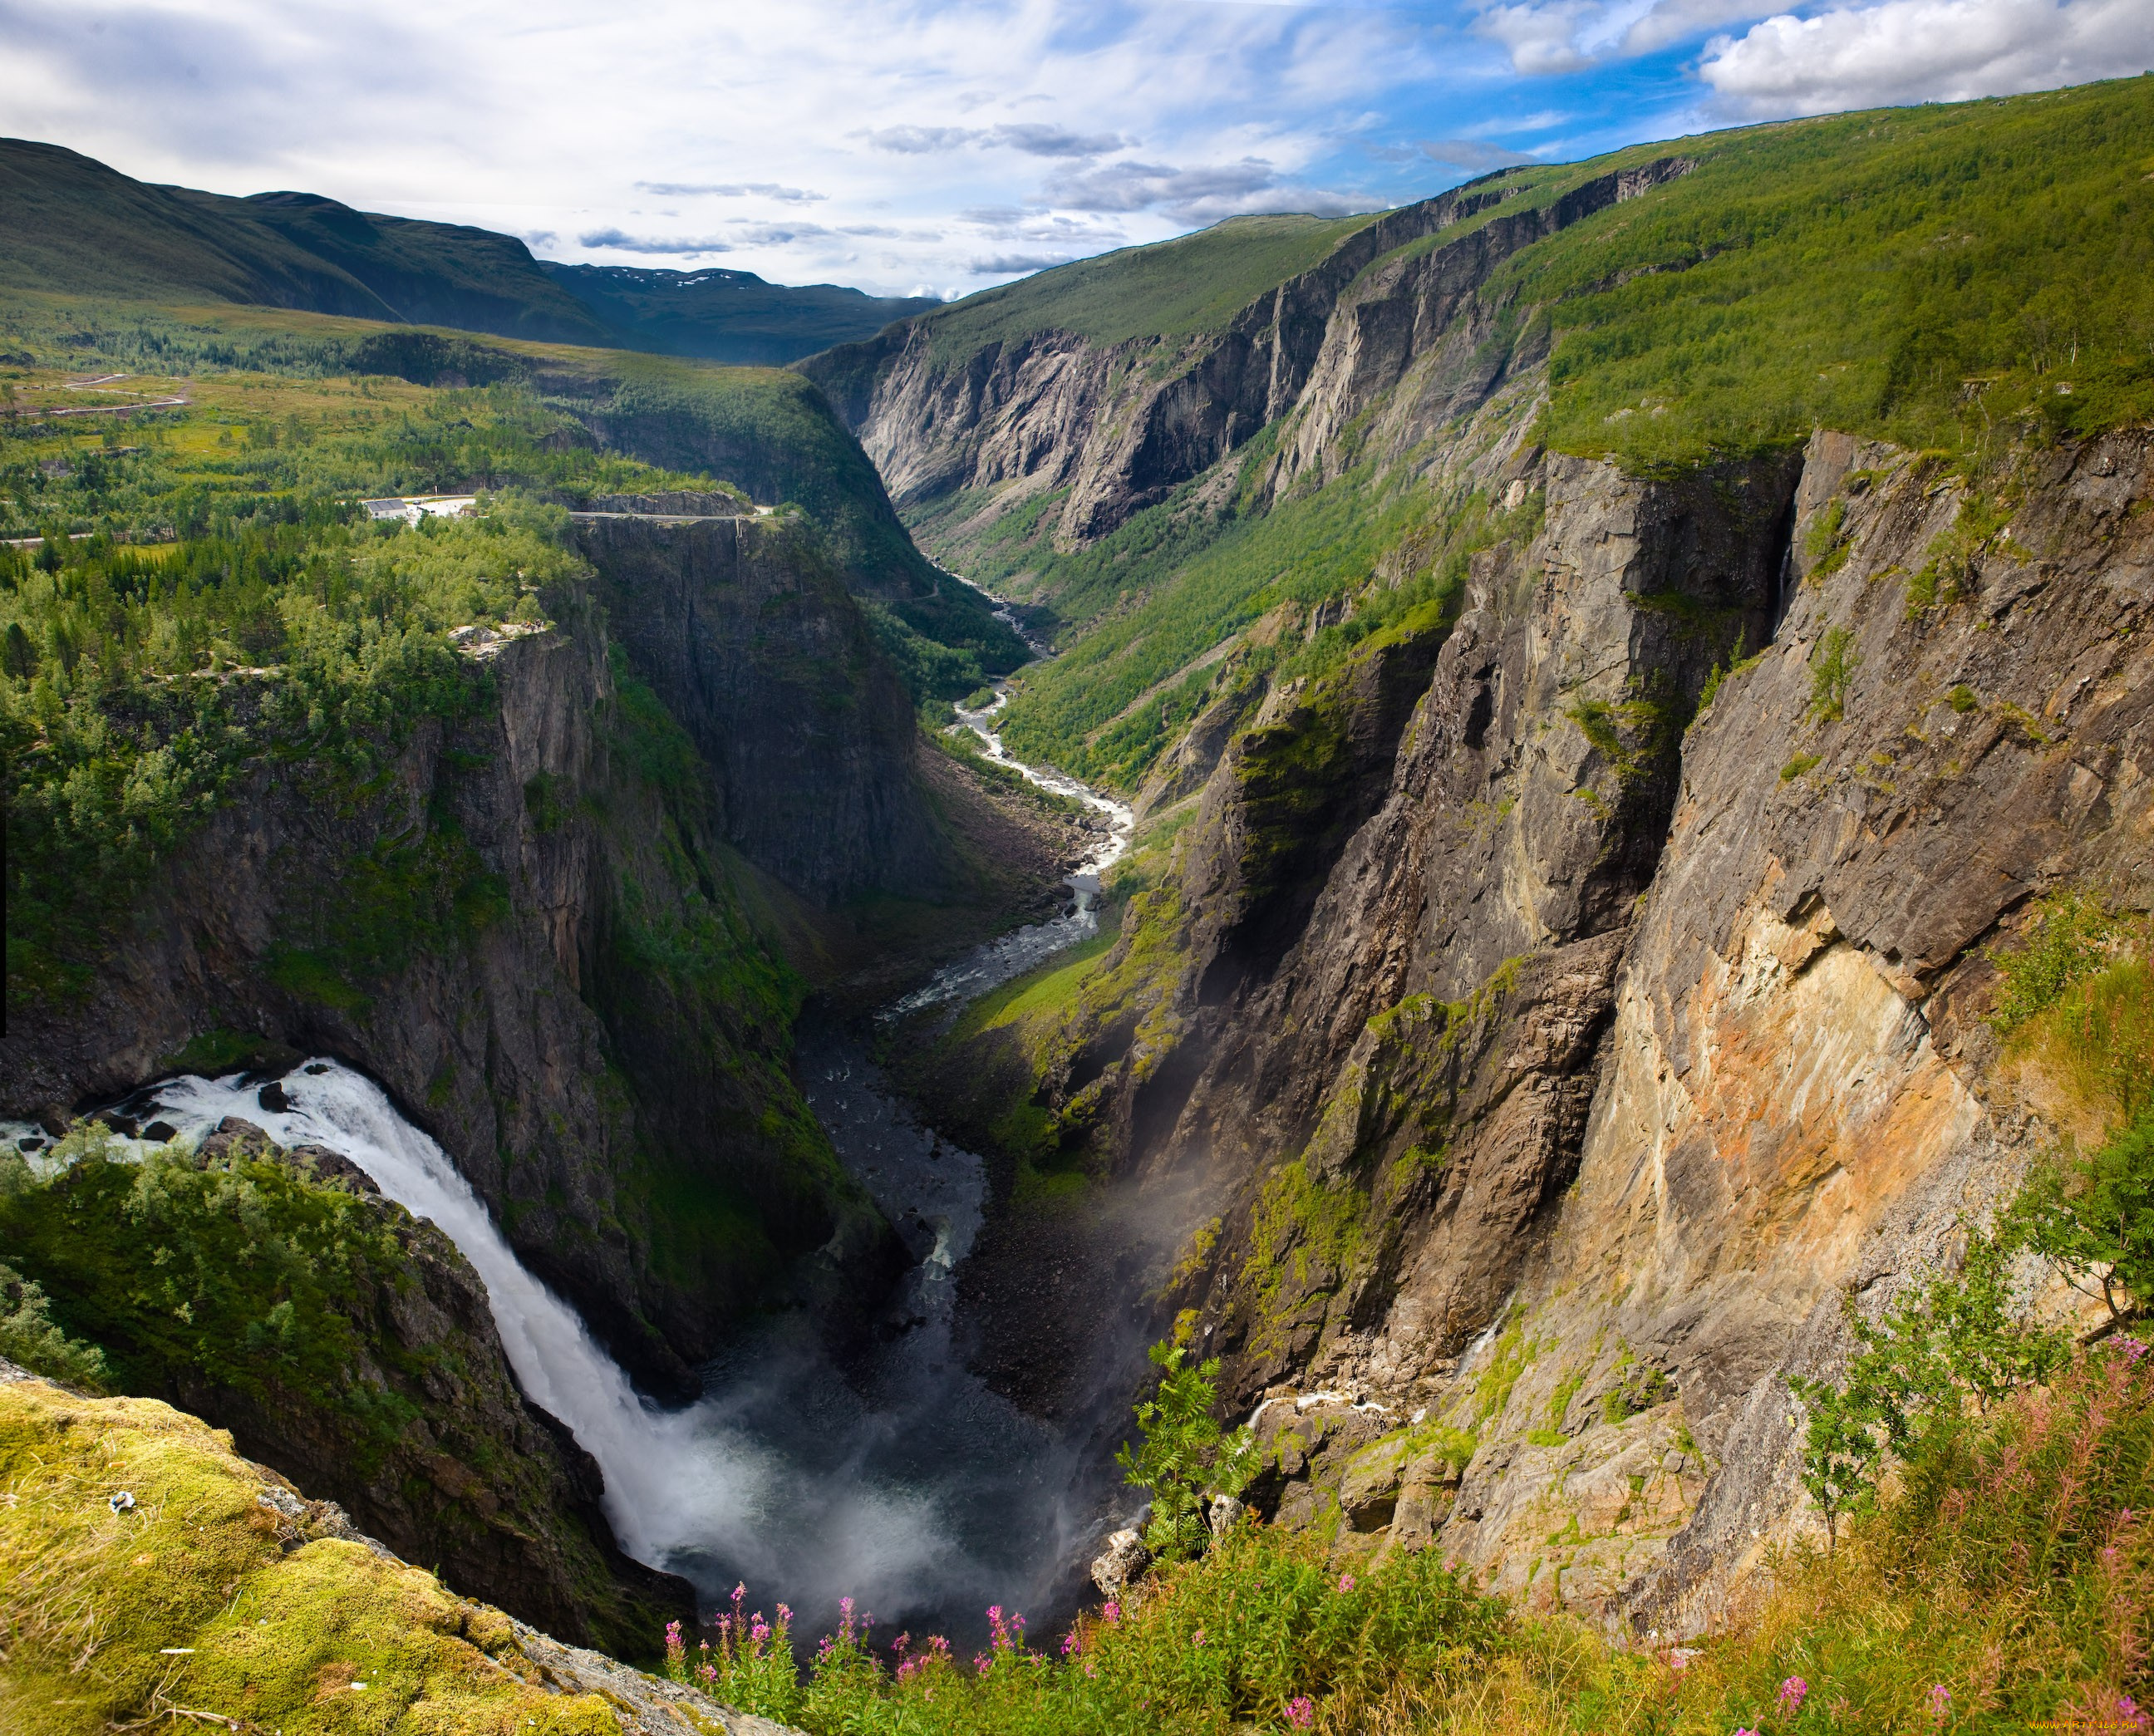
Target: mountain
x: 1616, y: 667
x: 727, y: 316
x: 75, y: 227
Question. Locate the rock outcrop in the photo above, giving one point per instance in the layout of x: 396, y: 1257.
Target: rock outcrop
x: 1121, y: 426
x: 223, y: 1596
x: 1553, y: 1025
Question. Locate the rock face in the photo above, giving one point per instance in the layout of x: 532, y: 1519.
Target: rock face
x: 747, y: 633
x: 1121, y: 426
x: 1553, y: 1017
x: 529, y: 929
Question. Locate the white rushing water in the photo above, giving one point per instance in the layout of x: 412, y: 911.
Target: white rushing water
x: 916, y: 1490
x: 1001, y: 961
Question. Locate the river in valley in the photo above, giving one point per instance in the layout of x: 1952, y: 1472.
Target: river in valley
x: 900, y: 1479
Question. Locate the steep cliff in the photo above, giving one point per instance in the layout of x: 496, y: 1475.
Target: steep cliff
x: 1556, y: 960
x: 1001, y: 395
x: 526, y: 925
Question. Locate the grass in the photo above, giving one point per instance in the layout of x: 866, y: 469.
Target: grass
x: 187, y: 1609
x: 2008, y: 1582
x: 1171, y: 291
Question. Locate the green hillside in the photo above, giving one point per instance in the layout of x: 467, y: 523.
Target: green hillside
x: 1950, y: 277
x: 1172, y: 289
x: 74, y: 226
x: 77, y: 227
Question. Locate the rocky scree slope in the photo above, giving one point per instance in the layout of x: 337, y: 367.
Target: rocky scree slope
x: 1553, y: 1001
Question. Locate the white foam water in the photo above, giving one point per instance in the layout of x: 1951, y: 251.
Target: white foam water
x: 925, y: 1495
x: 678, y: 1484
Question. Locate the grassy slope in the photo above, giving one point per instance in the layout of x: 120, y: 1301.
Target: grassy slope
x: 186, y: 1610
x: 1173, y: 289
x: 74, y: 226
x: 1943, y: 276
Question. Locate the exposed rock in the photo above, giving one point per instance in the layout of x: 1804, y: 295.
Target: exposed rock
x: 1119, y: 1564
x: 1222, y: 1513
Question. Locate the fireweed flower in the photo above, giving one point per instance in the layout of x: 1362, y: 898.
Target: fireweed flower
x: 1301, y: 1711
x: 1200, y: 1635
x: 1940, y: 1700
x: 1112, y: 1613
x: 1793, y: 1691
x: 1345, y: 1582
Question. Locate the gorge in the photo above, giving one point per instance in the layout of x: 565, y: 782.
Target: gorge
x: 1530, y: 819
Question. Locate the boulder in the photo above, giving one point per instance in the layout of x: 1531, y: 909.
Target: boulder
x: 1119, y: 1563
x: 1224, y: 1514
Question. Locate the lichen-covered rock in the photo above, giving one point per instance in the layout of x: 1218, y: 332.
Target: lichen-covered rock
x: 224, y: 1597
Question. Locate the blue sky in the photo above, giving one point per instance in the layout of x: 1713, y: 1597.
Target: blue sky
x: 940, y: 147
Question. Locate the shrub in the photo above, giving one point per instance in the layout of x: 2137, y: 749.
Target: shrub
x: 1833, y: 665
x: 1185, y: 1455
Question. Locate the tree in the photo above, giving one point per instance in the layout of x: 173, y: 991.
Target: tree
x: 2093, y: 1220
x: 1185, y: 1455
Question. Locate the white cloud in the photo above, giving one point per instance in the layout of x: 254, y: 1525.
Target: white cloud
x: 731, y: 190
x: 540, y: 117
x: 1542, y: 38
x: 1927, y: 50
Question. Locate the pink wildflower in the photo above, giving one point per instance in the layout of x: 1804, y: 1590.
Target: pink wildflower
x: 1200, y: 1635
x: 1345, y: 1582
x: 2125, y: 1713
x: 1792, y: 1693
x: 981, y: 1662
x: 2133, y: 1348
x: 1073, y: 1643
x: 1112, y: 1614
x: 1940, y: 1701
x: 1301, y: 1711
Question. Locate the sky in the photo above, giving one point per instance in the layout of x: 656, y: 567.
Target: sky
x: 940, y: 147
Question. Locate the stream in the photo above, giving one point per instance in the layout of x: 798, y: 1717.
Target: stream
x: 907, y: 1484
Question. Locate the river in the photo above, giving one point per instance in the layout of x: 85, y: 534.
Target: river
x: 905, y: 1484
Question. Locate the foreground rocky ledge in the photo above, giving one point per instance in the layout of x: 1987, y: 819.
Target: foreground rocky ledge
x: 153, y: 1573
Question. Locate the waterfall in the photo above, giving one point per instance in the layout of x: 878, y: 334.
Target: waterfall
x: 925, y: 1496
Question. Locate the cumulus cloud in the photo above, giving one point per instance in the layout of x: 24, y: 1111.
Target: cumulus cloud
x: 1471, y: 154
x: 731, y: 190
x: 1541, y: 38
x: 1926, y: 50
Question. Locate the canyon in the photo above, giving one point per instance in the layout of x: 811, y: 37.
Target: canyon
x: 1509, y: 954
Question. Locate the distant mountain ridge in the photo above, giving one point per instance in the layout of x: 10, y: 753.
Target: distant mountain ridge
x: 74, y: 226
x: 729, y: 316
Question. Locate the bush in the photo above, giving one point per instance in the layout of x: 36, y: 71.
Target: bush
x: 1185, y: 1455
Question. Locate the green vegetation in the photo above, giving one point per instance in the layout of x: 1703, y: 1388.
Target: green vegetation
x: 1150, y: 599
x: 200, y: 1605
x: 1833, y: 664
x: 29, y: 1340
x: 1185, y: 1457
x: 1172, y: 290
x: 1929, y: 275
x: 240, y: 1271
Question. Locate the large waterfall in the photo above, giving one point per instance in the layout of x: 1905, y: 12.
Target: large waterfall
x: 914, y: 1490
